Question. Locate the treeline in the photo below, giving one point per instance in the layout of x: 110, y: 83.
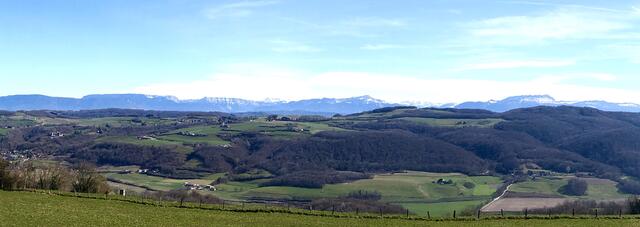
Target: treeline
x: 102, y: 113
x: 81, y: 178
x: 356, y: 205
x: 315, y: 179
x: 631, y: 206
x: 162, y: 159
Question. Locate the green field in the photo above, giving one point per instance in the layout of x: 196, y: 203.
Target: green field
x: 120, y: 121
x: 177, y: 146
x: 17, y: 121
x: 35, y: 209
x: 158, y: 183
x: 413, y: 190
x: 3, y: 131
x: 482, y: 123
x: 278, y: 129
x: 598, y: 189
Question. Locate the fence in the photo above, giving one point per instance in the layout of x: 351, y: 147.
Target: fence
x: 281, y: 207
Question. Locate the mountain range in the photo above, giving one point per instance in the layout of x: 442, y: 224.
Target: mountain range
x: 323, y: 106
x: 518, y: 102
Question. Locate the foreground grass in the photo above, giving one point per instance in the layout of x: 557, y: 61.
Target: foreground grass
x: 37, y: 209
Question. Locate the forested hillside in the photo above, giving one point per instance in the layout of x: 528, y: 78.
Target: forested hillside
x: 295, y: 149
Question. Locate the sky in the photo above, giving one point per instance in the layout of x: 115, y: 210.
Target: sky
x: 436, y: 51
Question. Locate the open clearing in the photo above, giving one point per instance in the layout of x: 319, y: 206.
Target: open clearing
x: 412, y: 190
x: 544, y: 192
x: 436, y: 122
x: 158, y: 183
x: 34, y: 209
x: 519, y: 204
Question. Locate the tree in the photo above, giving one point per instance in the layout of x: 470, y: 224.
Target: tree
x: 272, y: 117
x: 5, y: 178
x: 87, y: 180
x: 575, y: 187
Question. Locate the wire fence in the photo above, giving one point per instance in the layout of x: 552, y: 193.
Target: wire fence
x: 289, y: 208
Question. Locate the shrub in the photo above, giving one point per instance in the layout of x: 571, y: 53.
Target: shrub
x: 469, y: 185
x: 364, y: 195
x: 575, y: 187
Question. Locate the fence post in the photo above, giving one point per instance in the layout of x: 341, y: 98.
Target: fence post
x: 454, y: 214
x: 526, y: 213
x: 200, y: 205
x: 428, y: 215
x: 573, y: 212
x: 381, y: 215
x: 549, y: 213
x: 357, y: 211
x: 596, y: 212
x: 223, y: 204
x: 288, y: 207
x: 333, y: 210
x: 478, y: 215
x: 407, y: 213
x: 502, y: 213
x: 620, y: 213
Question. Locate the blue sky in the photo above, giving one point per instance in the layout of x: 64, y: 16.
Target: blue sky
x: 405, y: 50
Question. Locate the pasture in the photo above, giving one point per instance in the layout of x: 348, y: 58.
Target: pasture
x: 545, y: 192
x: 598, y: 189
x: 458, y: 123
x: 415, y: 191
x: 158, y: 183
x: 36, y: 209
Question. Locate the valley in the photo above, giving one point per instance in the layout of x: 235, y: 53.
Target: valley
x: 428, y: 161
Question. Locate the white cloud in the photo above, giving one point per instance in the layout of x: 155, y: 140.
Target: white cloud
x: 626, y: 51
x: 376, y: 22
x: 259, y: 83
x: 286, y: 46
x: 577, y: 6
x: 518, y: 64
x: 382, y: 46
x: 559, y: 24
x: 238, y: 9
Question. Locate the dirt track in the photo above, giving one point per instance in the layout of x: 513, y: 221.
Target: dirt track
x: 519, y: 204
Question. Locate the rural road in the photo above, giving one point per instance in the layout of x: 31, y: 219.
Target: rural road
x: 497, y: 198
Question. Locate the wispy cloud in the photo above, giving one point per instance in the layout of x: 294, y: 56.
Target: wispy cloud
x: 286, y: 46
x: 559, y: 24
x: 375, y: 22
x: 238, y: 9
x: 382, y: 46
x: 512, y: 64
x: 628, y: 51
x: 577, y: 6
x: 572, y: 77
